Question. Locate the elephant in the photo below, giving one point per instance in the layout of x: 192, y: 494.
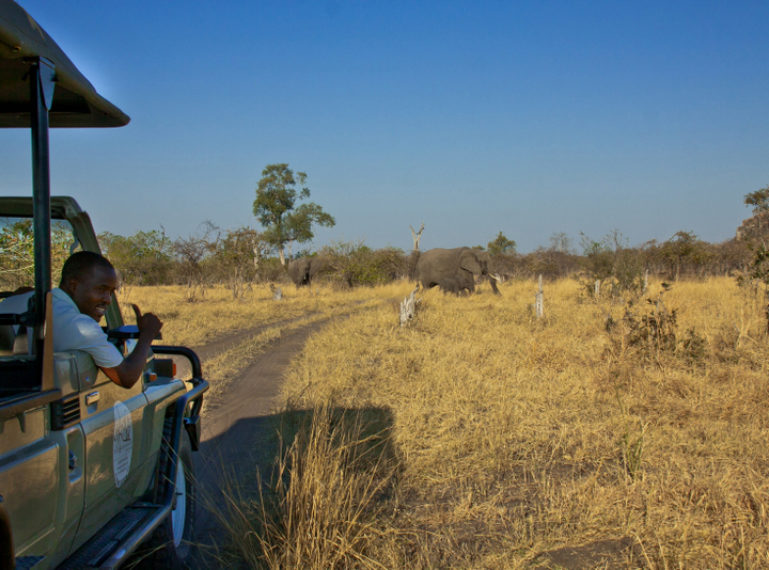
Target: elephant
x: 303, y: 270
x: 453, y: 270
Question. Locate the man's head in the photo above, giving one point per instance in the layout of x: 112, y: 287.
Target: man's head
x: 90, y: 280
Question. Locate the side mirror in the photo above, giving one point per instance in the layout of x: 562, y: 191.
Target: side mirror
x: 125, y: 337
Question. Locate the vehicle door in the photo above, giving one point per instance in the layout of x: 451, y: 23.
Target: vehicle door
x: 115, y: 473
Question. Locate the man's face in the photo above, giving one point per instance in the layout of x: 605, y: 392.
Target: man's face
x: 92, y: 291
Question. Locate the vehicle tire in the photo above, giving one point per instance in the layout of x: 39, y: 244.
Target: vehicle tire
x: 173, y: 540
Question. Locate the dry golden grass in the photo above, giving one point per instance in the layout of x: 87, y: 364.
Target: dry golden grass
x: 215, y: 312
x: 506, y: 441
x: 526, y: 442
x: 327, y: 490
x: 255, y: 313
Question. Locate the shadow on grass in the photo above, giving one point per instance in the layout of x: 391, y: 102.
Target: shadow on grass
x: 269, y: 481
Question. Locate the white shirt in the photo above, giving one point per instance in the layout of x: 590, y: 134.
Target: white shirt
x: 72, y: 330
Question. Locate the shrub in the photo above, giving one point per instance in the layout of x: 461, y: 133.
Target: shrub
x: 357, y: 264
x: 654, y: 333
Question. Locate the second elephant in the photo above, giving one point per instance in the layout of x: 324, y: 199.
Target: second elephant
x: 303, y: 270
x: 453, y: 270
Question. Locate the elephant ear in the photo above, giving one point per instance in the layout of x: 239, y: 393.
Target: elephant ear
x: 317, y: 265
x: 468, y: 261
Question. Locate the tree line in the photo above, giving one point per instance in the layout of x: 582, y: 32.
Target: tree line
x: 243, y: 256
x: 240, y: 256
x: 246, y: 255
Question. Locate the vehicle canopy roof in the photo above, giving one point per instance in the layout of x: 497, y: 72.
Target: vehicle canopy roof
x: 75, y: 101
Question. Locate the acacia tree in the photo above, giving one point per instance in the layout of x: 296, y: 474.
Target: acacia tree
x: 276, y: 208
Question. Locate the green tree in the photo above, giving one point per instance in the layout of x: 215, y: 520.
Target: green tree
x: 145, y: 258
x: 755, y: 230
x: 758, y: 200
x: 612, y: 261
x: 683, y: 248
x: 599, y: 257
x: 276, y: 208
x: 754, y: 233
x: 355, y: 264
x: 236, y: 257
x: 501, y: 245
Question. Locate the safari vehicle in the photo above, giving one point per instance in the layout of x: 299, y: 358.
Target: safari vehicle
x: 89, y: 470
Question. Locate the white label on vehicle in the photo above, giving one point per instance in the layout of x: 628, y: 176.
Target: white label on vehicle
x: 122, y: 443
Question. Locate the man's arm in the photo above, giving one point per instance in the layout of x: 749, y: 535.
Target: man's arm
x: 130, y: 370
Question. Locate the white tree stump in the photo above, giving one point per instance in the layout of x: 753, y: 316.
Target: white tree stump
x: 539, y: 300
x: 408, y: 308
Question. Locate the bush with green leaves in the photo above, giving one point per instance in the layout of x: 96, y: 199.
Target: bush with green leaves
x: 617, y: 267
x: 145, y: 258
x: 356, y: 264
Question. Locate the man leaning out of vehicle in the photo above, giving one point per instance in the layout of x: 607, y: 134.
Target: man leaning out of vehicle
x: 79, y: 303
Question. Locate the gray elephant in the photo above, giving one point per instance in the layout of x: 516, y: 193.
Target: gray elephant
x: 303, y: 270
x: 453, y: 270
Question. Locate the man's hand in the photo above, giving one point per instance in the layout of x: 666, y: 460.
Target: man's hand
x: 149, y: 324
x: 129, y: 371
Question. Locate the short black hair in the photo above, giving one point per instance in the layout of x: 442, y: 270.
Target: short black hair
x: 79, y: 263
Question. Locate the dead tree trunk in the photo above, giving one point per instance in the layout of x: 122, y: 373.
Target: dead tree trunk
x: 409, y: 308
x: 416, y: 236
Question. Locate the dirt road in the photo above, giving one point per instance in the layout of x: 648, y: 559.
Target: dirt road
x: 238, y: 436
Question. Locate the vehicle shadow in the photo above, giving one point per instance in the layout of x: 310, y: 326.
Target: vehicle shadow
x: 239, y: 468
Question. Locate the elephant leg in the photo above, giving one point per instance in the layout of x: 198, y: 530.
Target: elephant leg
x: 468, y: 282
x: 458, y: 286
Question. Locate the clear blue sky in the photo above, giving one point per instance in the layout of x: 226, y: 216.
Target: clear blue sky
x: 529, y: 117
